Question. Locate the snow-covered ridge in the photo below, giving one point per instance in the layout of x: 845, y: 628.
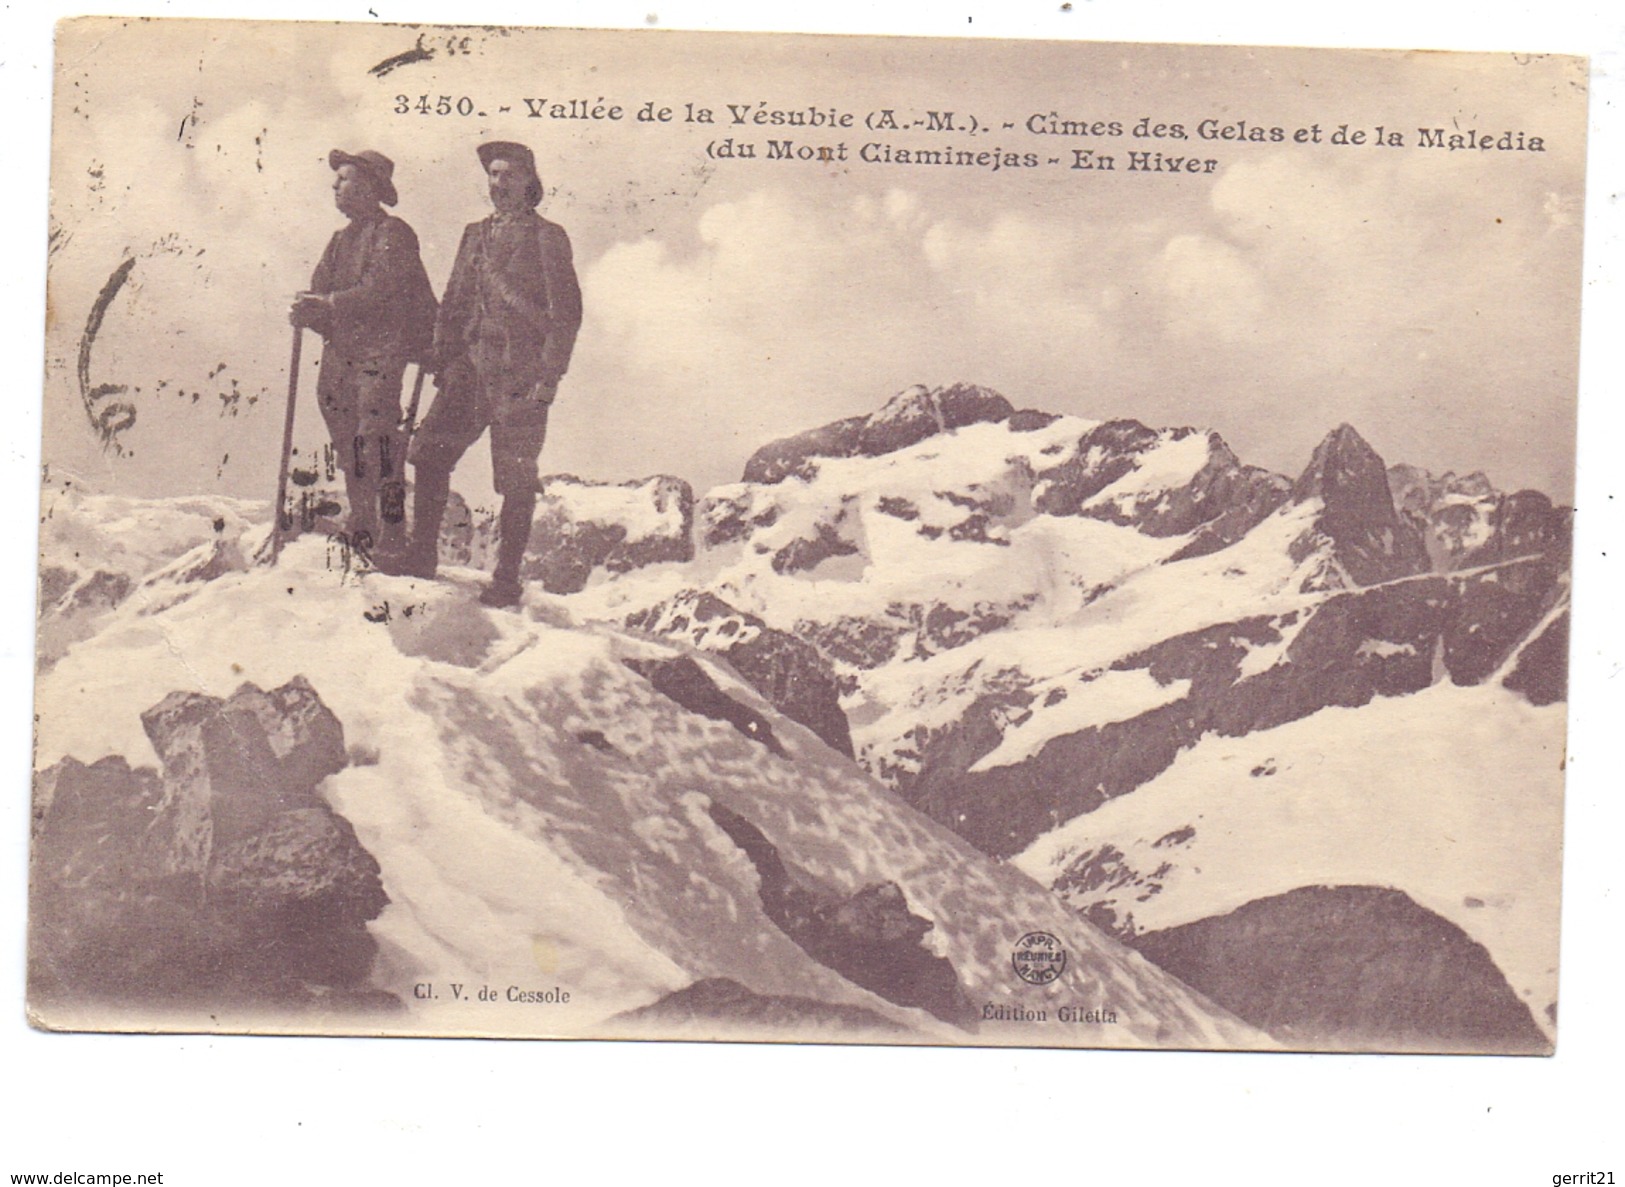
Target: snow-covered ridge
x: 545, y: 815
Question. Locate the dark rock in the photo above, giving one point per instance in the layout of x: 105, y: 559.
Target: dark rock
x: 920, y: 412
x: 229, y: 766
x: 1526, y: 524
x: 202, y: 564
x: 1105, y: 453
x: 897, y: 508
x: 1466, y: 522
x: 1360, y: 967
x: 942, y: 628
x: 597, y: 740
x: 306, y: 858
x: 1495, y: 613
x: 1098, y: 872
x: 1542, y: 670
x: 788, y: 672
x: 871, y: 937
x: 858, y: 641
x: 1449, y: 513
x: 1368, y: 540
x: 565, y: 550
x: 304, y: 888
x: 806, y: 552
x: 685, y: 682
x: 1248, y: 497
x: 795, y: 457
x: 718, y: 999
x: 1386, y: 641
x: 1030, y: 420
x: 225, y: 881
x: 907, y: 419
x: 1223, y: 497
x: 94, y: 592
x: 732, y: 516
x: 97, y: 817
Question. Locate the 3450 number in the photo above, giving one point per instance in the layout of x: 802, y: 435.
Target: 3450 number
x: 434, y: 105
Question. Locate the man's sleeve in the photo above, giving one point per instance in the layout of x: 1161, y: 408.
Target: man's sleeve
x: 450, y: 325
x: 386, y: 274
x: 321, y: 280
x: 563, y: 300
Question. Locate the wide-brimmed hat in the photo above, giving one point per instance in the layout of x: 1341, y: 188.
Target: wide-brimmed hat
x: 508, y: 150
x: 376, y: 165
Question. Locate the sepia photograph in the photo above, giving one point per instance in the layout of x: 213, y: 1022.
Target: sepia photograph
x: 907, y: 550
x: 849, y: 541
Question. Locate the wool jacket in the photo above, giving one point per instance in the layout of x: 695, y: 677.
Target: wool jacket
x: 381, y: 302
x: 513, y: 305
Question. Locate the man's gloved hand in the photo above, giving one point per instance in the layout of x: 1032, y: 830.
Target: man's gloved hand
x: 545, y: 390
x: 307, y: 310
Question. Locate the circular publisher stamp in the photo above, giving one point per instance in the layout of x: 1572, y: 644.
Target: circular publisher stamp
x: 1038, y: 958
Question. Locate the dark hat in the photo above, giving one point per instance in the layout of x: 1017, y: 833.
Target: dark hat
x: 508, y: 150
x: 376, y: 166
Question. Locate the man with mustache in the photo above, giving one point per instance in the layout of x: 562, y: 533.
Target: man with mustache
x: 503, y: 341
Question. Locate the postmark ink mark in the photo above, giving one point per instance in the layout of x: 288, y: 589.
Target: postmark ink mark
x: 111, y: 418
x: 1038, y: 958
x: 416, y: 54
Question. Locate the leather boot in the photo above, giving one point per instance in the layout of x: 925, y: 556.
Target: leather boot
x: 514, y: 525
x: 429, y: 494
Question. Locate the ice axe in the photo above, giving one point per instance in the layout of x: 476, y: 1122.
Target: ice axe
x: 409, y: 425
x: 287, y: 446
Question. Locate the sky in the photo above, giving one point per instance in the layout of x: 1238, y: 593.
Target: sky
x: 1427, y: 296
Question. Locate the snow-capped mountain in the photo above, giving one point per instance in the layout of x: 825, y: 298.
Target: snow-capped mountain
x: 333, y: 797
x: 1030, y: 617
x: 1102, y: 674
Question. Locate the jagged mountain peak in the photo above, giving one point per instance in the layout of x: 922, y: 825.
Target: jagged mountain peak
x: 1361, y: 537
x: 1344, y: 467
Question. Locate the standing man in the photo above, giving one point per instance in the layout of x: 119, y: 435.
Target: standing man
x: 501, y: 344
x: 371, y: 301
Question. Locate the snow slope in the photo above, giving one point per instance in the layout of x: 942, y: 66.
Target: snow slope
x: 1453, y: 795
x: 544, y: 817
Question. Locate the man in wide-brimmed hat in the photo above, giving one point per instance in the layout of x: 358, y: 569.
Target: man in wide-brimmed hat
x: 503, y: 340
x: 370, y: 299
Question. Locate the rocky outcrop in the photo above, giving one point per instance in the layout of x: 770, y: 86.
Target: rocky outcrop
x: 787, y: 671
x: 795, y: 457
x: 1209, y: 487
x: 684, y: 681
x: 1465, y: 521
x: 1542, y: 671
x: 805, y: 553
x: 1352, y: 967
x: 581, y: 527
x: 871, y: 937
x: 1359, y: 537
x: 730, y: 514
x: 907, y: 419
x: 1526, y: 523
x: 1384, y: 641
x: 1451, y: 514
x: 226, y: 880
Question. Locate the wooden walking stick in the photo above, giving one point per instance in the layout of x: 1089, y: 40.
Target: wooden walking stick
x: 409, y: 425
x: 287, y: 446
